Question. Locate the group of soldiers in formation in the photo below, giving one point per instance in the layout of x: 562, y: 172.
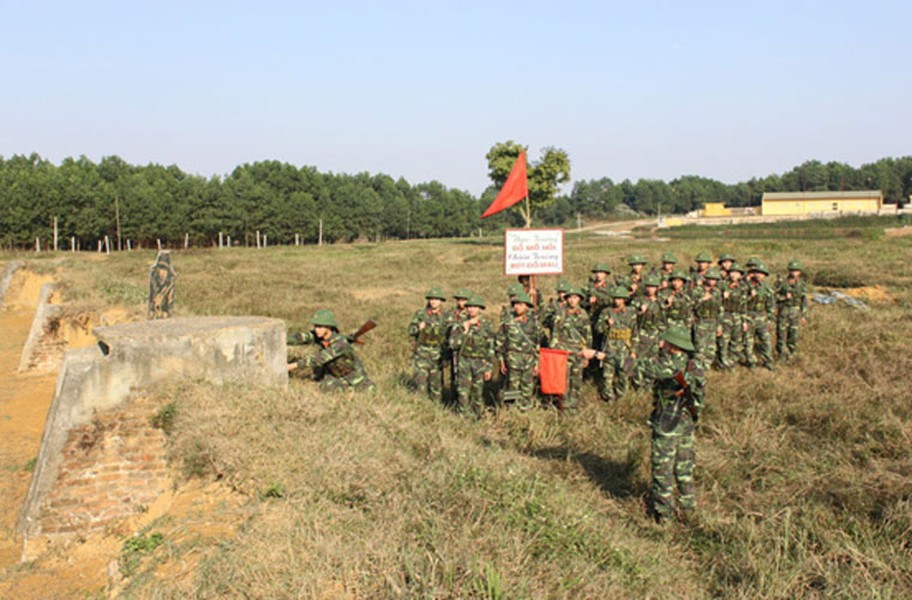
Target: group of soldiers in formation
x: 663, y: 328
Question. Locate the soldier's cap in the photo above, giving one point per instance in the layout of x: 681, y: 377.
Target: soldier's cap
x: 653, y: 280
x: 736, y: 267
x: 476, y: 300
x: 726, y: 256
x: 713, y: 273
x: 522, y: 297
x: 435, y: 292
x: 678, y: 337
x: 795, y: 265
x: 462, y: 293
x: 514, y: 288
x: 679, y: 274
x: 620, y: 292
x: 703, y: 257
x: 601, y: 267
x: 572, y: 291
x: 636, y: 259
x: 562, y: 286
x: 753, y: 260
x: 324, y: 318
x: 759, y: 267
x: 668, y: 257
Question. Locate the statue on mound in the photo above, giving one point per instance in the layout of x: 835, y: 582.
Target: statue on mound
x: 161, y: 287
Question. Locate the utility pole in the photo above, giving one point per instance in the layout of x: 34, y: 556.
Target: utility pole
x: 117, y: 222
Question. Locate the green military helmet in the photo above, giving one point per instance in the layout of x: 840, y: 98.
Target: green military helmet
x: 713, y: 273
x: 620, y: 292
x: 668, y: 257
x: 435, y: 292
x: 760, y: 268
x: 653, y: 280
x: 703, y: 257
x: 476, y: 300
x: 523, y: 297
x: 736, y: 267
x: 514, y: 288
x: 726, y: 256
x: 751, y: 262
x: 601, y: 266
x: 679, y: 274
x: 795, y: 265
x: 573, y: 291
x: 636, y: 259
x: 462, y: 293
x: 562, y: 286
x: 324, y: 318
x: 679, y: 337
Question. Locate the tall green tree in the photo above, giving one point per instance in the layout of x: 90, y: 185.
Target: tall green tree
x: 545, y: 176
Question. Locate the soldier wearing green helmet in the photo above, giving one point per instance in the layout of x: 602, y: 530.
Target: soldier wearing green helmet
x: 708, y: 312
x: 760, y: 315
x: 550, y: 309
x: 703, y: 259
x: 669, y: 261
x: 516, y: 347
x: 572, y: 331
x: 617, y: 327
x: 792, y: 308
x: 428, y: 329
x: 633, y: 281
x: 334, y: 363
x: 455, y: 315
x: 596, y: 293
x: 677, y: 301
x: 650, y: 318
x: 472, y: 341
x: 734, y: 295
x: 726, y: 260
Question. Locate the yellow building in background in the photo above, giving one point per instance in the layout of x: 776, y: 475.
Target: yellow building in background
x: 821, y: 203
x: 715, y: 209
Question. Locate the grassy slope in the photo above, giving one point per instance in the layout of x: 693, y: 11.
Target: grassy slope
x: 804, y: 475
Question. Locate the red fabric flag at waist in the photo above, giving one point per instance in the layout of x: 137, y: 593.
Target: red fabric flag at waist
x: 514, y: 189
x: 552, y: 371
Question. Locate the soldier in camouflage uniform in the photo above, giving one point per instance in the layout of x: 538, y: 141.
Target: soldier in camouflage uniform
x: 473, y: 342
x: 506, y: 311
x: 752, y: 262
x: 726, y: 261
x: 334, y: 363
x: 669, y: 261
x: 760, y: 310
x: 677, y: 301
x: 550, y: 309
x: 161, y: 287
x: 734, y: 294
x: 633, y: 281
x: 673, y: 424
x: 650, y: 319
x: 517, y: 347
x: 455, y: 315
x: 596, y: 292
x: 526, y: 282
x: 571, y: 330
x: 428, y: 329
x: 708, y: 313
x: 617, y: 326
x: 791, y: 300
x: 699, y: 274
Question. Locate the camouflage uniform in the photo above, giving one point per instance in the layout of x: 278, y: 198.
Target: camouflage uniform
x: 633, y: 281
x: 474, y: 357
x: 650, y: 324
x: 571, y: 330
x: 760, y: 306
x: 731, y: 343
x: 791, y: 301
x: 517, y: 346
x: 428, y: 351
x: 161, y: 287
x: 708, y: 313
x: 677, y: 306
x: 617, y: 325
x: 334, y: 363
x: 455, y: 315
x: 673, y: 453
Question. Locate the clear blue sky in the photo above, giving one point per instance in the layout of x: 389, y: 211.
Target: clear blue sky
x: 653, y: 89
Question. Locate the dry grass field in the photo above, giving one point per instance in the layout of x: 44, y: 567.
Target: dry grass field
x: 804, y: 475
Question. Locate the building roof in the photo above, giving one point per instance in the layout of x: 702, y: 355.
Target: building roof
x: 792, y: 196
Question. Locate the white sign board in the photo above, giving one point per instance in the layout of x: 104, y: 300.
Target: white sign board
x: 533, y: 251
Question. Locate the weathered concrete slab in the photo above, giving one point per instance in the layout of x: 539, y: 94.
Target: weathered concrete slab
x: 8, y: 271
x: 141, y: 355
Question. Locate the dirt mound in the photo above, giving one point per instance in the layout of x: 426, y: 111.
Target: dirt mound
x: 874, y: 293
x: 898, y: 231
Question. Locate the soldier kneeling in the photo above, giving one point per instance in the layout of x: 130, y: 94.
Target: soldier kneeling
x: 333, y: 363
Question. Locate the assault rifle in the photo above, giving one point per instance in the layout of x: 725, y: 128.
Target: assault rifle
x: 684, y: 399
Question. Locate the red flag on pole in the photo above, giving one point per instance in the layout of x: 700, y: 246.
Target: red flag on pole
x: 514, y: 189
